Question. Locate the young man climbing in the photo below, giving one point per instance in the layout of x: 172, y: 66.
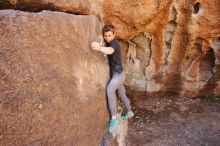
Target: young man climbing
x: 117, y: 74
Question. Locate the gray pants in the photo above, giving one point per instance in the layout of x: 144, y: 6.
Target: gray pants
x: 117, y: 83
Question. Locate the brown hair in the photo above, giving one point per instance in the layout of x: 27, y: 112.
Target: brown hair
x: 108, y: 27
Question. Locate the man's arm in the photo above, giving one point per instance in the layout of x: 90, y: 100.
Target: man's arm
x: 106, y: 50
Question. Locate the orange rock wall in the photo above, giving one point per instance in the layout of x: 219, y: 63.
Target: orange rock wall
x: 171, y: 46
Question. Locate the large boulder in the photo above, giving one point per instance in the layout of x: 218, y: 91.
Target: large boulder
x: 52, y: 84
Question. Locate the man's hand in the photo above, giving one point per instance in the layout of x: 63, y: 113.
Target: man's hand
x: 96, y: 46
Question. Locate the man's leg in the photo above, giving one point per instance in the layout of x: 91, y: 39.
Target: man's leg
x: 111, y: 93
x: 125, y: 100
x: 123, y: 97
x: 113, y: 85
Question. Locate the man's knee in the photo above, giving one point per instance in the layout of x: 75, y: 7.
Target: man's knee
x: 110, y: 89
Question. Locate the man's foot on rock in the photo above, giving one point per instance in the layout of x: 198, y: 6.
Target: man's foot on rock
x: 112, y: 125
x: 127, y: 115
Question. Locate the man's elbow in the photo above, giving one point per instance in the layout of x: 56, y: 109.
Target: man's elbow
x: 111, y: 50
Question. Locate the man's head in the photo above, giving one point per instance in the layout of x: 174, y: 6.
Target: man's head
x: 108, y: 33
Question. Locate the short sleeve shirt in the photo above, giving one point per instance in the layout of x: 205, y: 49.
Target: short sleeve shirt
x: 114, y: 59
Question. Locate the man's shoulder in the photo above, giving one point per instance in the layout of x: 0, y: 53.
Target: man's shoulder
x: 114, y: 43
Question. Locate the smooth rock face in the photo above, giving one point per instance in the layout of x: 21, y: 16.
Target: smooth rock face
x: 52, y: 84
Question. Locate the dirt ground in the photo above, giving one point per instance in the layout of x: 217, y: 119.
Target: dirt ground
x: 173, y: 121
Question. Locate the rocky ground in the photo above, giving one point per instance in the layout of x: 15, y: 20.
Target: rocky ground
x: 172, y: 121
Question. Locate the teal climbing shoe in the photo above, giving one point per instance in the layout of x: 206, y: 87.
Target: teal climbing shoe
x: 112, y: 125
x: 127, y: 115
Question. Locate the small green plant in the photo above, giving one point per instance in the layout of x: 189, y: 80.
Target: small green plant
x: 167, y: 97
x: 211, y: 97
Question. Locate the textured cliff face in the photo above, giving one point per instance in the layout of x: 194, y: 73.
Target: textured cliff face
x: 52, y: 85
x: 170, y: 47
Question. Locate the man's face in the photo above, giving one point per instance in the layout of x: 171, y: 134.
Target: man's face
x: 109, y: 36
